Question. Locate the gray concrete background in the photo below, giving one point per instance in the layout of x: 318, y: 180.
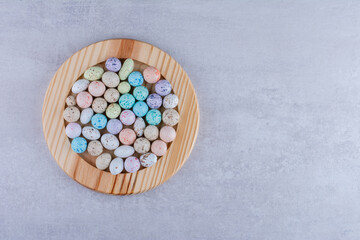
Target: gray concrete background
x: 277, y: 156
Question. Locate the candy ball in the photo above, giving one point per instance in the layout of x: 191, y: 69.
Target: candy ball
x: 135, y: 79
x: 126, y: 68
x: 140, y: 93
x: 95, y: 148
x: 127, y: 136
x: 116, y: 166
x: 170, y: 101
x: 86, y: 115
x: 90, y: 133
x: 153, y: 117
x: 113, y: 110
x: 132, y: 164
x: 97, y: 88
x: 73, y: 130
x: 71, y: 114
x: 114, y: 126
x: 110, y: 79
x: 99, y: 121
x: 139, y: 126
x: 113, y: 64
x: 80, y: 85
x: 167, y: 134
x: 124, y: 151
x: 84, y: 99
x: 154, y: 100
x: 127, y: 117
x: 148, y: 159
x: 94, y: 73
x: 151, y: 74
x: 140, y: 109
x: 163, y: 87
x: 79, y: 145
x: 109, y: 141
x: 124, y: 87
x: 159, y: 148
x: 111, y: 95
x: 151, y: 132
x: 99, y: 105
x: 70, y: 101
x: 142, y: 145
x: 127, y: 101
x: 103, y: 161
x: 170, y: 117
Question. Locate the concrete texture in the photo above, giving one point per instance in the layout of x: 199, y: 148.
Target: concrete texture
x: 277, y: 156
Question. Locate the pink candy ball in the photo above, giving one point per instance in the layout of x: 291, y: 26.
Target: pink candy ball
x: 159, y: 147
x: 84, y: 99
x: 73, y: 130
x: 132, y: 164
x: 151, y: 74
x: 96, y: 88
x: 127, y: 136
x: 127, y: 117
x: 167, y: 134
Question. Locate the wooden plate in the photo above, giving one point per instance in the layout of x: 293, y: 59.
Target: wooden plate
x: 82, y: 171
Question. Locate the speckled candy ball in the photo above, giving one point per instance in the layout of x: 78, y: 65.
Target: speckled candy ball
x: 127, y: 101
x: 127, y: 117
x: 132, y: 164
x: 97, y: 88
x: 170, y: 117
x: 159, y: 148
x: 141, y: 93
x: 111, y: 95
x: 163, y: 87
x: 135, y: 79
x: 124, y: 87
x: 127, y: 136
x: 73, y: 130
x: 154, y: 101
x: 170, y: 101
x: 153, y: 117
x: 114, y: 126
x: 148, y: 159
x: 142, y: 145
x: 84, y: 99
x: 151, y: 132
x: 71, y: 114
x: 99, y: 105
x: 140, y: 108
x: 110, y: 79
x: 99, y: 121
x: 79, y: 145
x: 167, y: 134
x: 113, y: 64
x: 113, y: 110
x: 151, y: 74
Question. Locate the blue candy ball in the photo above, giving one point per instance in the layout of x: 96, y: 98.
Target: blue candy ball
x: 79, y: 144
x: 126, y: 101
x: 135, y: 79
x: 140, y: 109
x: 99, y: 121
x: 141, y: 93
x: 153, y: 117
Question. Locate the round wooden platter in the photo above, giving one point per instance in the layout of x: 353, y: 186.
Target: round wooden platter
x: 81, y: 170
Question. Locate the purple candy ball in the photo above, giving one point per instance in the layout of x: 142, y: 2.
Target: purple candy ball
x: 114, y: 126
x: 154, y: 100
x: 113, y: 64
x: 163, y: 87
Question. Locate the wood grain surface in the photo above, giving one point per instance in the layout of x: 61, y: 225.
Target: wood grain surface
x: 79, y: 169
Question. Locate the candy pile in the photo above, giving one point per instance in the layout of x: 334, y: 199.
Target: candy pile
x: 119, y: 118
